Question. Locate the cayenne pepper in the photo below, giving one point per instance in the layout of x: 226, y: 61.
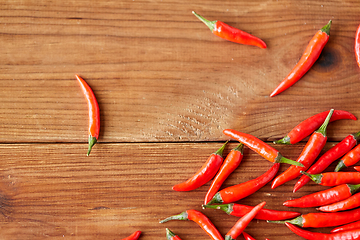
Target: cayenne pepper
x: 309, y: 125
x: 308, y: 155
x: 231, y: 162
x: 242, y: 223
x: 94, y: 113
x: 349, y: 203
x: 348, y: 235
x: 324, y: 197
x: 133, y: 236
x: 199, y: 218
x: 260, y: 147
x: 204, y: 174
x: 231, y: 34
x: 309, y: 57
x: 335, y: 178
x: 330, y: 156
x: 351, y: 158
x: 240, y: 210
x: 322, y: 219
x: 357, y: 45
x: 347, y: 227
x: 236, y: 192
x: 171, y: 236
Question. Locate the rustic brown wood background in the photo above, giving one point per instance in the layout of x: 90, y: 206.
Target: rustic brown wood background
x: 167, y: 88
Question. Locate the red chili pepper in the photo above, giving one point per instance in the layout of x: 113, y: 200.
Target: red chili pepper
x: 335, y: 178
x: 204, y: 174
x: 330, y: 156
x: 309, y: 57
x: 357, y: 45
x: 247, y: 236
x: 234, y: 193
x: 310, y: 152
x: 171, y: 236
x: 351, y: 158
x: 231, y: 34
x: 308, y: 126
x: 260, y: 147
x: 348, y: 235
x: 347, y: 227
x: 240, y: 210
x: 94, y: 113
x: 133, y: 236
x: 349, y: 203
x: 321, y: 219
x: 357, y: 168
x: 242, y: 223
x: 324, y: 197
x: 200, y: 219
x: 231, y: 162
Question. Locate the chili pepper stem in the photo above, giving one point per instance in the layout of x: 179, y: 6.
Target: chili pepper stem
x: 210, y: 24
x: 181, y: 216
x: 221, y: 150
x: 228, y: 208
x: 216, y: 199
x: 326, y: 28
x: 169, y: 234
x: 296, y: 221
x: 315, y: 177
x: 281, y: 159
x: 340, y: 166
x: 92, y: 141
x: 322, y: 128
x: 284, y: 140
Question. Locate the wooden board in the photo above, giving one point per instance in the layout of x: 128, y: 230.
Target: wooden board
x: 166, y: 88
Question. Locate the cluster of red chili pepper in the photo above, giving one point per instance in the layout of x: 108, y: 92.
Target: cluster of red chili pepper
x: 331, y: 202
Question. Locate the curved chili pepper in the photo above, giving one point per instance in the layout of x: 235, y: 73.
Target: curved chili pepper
x: 347, y: 227
x: 133, y: 236
x: 260, y: 147
x: 330, y: 156
x: 240, y: 210
x: 94, y: 113
x: 242, y: 223
x: 322, y: 219
x: 348, y: 235
x: 247, y: 236
x: 308, y: 126
x: 349, y: 159
x: 171, y: 236
x: 357, y: 45
x: 231, y: 162
x: 308, y: 155
x: 334, y: 178
x: 349, y: 203
x: 324, y: 197
x: 204, y: 174
x: 239, y: 191
x: 231, y: 34
x: 309, y: 57
x: 200, y: 219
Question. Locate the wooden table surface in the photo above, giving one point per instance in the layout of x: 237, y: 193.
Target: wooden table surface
x: 166, y: 88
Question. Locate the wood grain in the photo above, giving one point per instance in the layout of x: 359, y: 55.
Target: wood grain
x: 160, y: 75
x: 55, y: 191
x: 166, y: 88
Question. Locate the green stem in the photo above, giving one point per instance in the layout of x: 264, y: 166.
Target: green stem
x: 210, y: 24
x: 284, y: 140
x: 322, y: 128
x: 221, y: 150
x: 281, y: 159
x: 326, y: 28
x: 340, y: 166
x: 240, y: 148
x: 315, y: 177
x: 92, y: 141
x: 169, y: 234
x: 181, y: 216
x: 229, y: 237
x: 216, y: 199
x: 228, y: 208
x: 353, y: 188
x: 296, y: 221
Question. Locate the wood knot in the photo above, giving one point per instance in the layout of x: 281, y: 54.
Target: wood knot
x: 328, y: 61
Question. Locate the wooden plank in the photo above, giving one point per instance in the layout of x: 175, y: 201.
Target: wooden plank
x: 160, y: 75
x: 55, y: 191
